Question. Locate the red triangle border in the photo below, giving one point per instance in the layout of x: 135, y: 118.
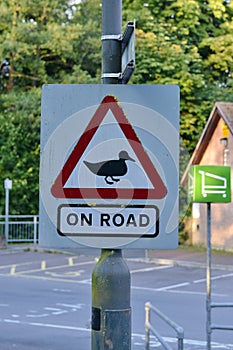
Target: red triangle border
x: 58, y: 190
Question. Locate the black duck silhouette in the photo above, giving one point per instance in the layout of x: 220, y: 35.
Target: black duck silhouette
x: 110, y: 168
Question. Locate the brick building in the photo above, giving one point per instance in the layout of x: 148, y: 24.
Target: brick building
x: 215, y: 147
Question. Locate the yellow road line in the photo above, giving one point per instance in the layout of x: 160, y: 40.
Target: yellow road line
x: 20, y: 264
x: 54, y: 267
x: 43, y: 265
x: 71, y: 261
x: 47, y: 278
x: 13, y: 268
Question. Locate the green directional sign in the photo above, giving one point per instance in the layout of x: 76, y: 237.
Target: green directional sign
x: 210, y: 183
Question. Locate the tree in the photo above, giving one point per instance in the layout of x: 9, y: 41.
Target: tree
x: 46, y: 42
x: 19, y: 149
x: 186, y: 42
x: 183, y: 42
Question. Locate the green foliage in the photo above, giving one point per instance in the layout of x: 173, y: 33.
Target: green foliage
x: 46, y: 42
x: 19, y: 148
x: 184, y: 42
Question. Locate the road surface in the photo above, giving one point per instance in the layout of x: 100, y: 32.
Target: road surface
x: 46, y: 302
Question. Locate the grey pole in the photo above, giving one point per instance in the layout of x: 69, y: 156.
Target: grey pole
x: 111, y: 312
x: 208, y: 278
x: 111, y: 41
x: 7, y: 216
x: 8, y: 187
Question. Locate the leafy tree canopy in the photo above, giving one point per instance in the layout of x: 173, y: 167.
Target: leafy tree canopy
x: 184, y: 42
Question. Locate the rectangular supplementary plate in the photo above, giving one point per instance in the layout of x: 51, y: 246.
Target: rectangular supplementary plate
x: 108, y: 220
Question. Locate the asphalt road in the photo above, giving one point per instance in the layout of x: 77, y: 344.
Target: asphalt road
x: 46, y: 302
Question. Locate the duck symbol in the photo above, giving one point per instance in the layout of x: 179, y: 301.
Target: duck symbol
x: 110, y: 168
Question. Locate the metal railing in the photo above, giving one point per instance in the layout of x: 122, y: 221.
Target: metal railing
x: 149, y: 328
x: 221, y: 326
x: 21, y: 228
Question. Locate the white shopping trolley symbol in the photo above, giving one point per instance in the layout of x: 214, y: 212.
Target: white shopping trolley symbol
x: 219, y: 188
x: 191, y: 184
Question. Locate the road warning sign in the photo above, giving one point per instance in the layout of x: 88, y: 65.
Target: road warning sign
x: 110, y: 169
x: 109, y: 166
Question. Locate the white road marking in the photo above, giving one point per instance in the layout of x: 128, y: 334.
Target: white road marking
x: 65, y: 274
x: 87, y: 281
x: 222, y: 276
x: 43, y: 278
x: 61, y: 312
x: 176, y: 291
x: 138, y: 339
x: 200, y: 281
x: 73, y: 306
x: 52, y: 309
x: 37, y: 315
x: 62, y: 290
x: 55, y: 310
x: 151, y: 269
x: 192, y: 342
x: 173, y: 286
x: 169, y: 288
x: 163, y: 289
x: 47, y: 325
x: 214, y: 278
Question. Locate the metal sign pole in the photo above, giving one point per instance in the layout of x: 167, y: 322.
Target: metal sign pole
x: 208, y: 278
x: 111, y: 41
x: 7, y: 216
x: 209, y: 184
x: 8, y: 187
x: 111, y: 312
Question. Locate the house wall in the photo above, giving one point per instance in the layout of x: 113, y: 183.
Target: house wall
x: 221, y: 213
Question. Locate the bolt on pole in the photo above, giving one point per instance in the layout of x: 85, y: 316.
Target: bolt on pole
x: 111, y: 311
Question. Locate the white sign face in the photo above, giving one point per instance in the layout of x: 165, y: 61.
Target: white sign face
x: 105, y: 220
x: 109, y: 166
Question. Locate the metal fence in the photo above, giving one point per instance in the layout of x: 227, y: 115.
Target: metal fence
x: 21, y: 228
x: 149, y: 328
x: 221, y: 326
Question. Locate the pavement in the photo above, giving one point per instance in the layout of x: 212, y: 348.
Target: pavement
x: 183, y: 256
x: 193, y: 257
